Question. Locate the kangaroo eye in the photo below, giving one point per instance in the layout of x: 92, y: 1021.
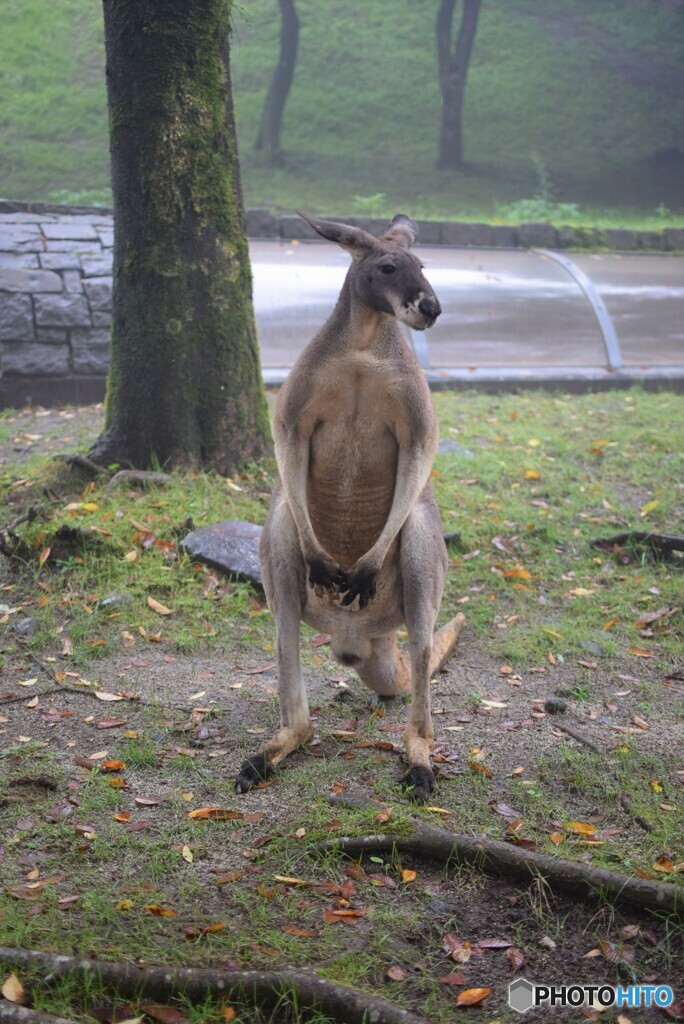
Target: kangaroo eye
x: 387, y: 268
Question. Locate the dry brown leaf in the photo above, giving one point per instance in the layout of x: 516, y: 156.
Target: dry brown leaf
x: 455, y: 978
x: 154, y: 908
x: 293, y: 929
x: 214, y: 814
x: 581, y: 828
x: 105, y: 695
x: 472, y: 996
x: 396, y: 973
x: 12, y: 989
x: 157, y: 607
x: 516, y: 958
x: 408, y: 875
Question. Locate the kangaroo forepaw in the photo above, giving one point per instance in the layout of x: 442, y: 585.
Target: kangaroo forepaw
x: 419, y: 783
x: 361, y: 584
x: 252, y: 770
x: 327, y: 575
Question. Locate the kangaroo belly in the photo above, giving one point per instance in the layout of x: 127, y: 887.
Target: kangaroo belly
x: 352, y: 473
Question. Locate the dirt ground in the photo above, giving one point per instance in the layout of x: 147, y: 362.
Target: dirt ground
x: 180, y: 725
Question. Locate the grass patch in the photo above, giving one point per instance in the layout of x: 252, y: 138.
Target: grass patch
x: 547, y: 615
x: 599, y: 116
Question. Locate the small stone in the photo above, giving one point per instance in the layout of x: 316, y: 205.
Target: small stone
x: 231, y: 545
x: 547, y: 942
x: 26, y: 627
x: 114, y: 603
x: 555, y: 706
x: 593, y: 648
x: 450, y: 447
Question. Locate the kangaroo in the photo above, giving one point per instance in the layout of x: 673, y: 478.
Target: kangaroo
x: 353, y: 542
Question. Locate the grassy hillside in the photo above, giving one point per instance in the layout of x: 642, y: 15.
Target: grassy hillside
x: 589, y: 94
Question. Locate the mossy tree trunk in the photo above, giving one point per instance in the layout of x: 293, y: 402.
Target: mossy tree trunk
x: 453, y: 61
x: 268, y: 138
x: 185, y: 385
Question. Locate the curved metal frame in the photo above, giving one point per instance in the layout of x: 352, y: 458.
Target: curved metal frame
x: 606, y: 326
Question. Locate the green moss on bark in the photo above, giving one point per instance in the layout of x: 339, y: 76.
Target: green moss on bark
x: 185, y: 384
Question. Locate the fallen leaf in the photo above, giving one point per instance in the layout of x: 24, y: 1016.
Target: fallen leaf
x: 214, y: 814
x: 472, y: 996
x: 516, y: 958
x: 582, y: 828
x: 164, y: 1014
x: 663, y: 864
x: 44, y: 555
x: 396, y: 973
x: 12, y: 989
x: 407, y: 875
x: 455, y: 978
x: 154, y: 908
x: 157, y: 607
x: 306, y: 933
x: 292, y: 881
x: 104, y: 695
x: 384, y: 815
x: 112, y: 766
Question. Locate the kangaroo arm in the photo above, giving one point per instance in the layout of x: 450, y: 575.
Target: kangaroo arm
x: 413, y: 471
x: 292, y: 455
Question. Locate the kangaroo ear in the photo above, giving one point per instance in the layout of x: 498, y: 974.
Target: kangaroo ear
x: 355, y: 240
x: 402, y: 231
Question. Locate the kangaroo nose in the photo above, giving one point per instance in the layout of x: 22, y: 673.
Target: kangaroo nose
x: 430, y: 308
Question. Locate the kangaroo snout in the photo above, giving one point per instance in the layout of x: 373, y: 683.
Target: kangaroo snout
x: 430, y: 308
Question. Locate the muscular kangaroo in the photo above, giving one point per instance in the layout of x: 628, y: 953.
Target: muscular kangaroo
x: 353, y: 542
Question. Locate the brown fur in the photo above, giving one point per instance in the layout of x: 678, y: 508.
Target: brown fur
x: 353, y: 542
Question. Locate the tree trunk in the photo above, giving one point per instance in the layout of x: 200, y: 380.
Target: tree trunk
x: 274, y: 106
x: 185, y: 385
x: 453, y: 70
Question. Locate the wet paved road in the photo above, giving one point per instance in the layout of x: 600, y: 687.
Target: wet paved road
x: 502, y: 307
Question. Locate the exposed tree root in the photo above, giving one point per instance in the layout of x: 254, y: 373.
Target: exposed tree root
x: 661, y: 542
x: 497, y: 857
x: 86, y: 466
x: 10, y: 1013
x: 258, y: 988
x: 137, y: 478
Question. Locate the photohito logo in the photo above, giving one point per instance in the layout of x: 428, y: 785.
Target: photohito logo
x: 523, y: 995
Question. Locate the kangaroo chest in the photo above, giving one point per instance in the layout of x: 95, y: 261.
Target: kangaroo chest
x: 352, y: 468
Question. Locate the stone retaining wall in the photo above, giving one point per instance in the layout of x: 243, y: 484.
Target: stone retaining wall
x: 55, y: 304
x: 56, y: 285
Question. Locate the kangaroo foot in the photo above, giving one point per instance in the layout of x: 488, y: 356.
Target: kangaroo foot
x: 252, y: 770
x: 419, y: 783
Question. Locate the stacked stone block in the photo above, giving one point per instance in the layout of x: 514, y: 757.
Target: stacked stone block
x: 55, y: 294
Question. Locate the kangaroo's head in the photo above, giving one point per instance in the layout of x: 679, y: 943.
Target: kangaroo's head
x: 385, y: 276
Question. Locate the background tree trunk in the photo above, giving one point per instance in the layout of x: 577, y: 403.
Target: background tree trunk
x: 453, y: 65
x: 185, y: 385
x: 274, y: 105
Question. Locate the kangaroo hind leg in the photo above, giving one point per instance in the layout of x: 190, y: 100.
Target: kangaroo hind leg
x: 284, y: 573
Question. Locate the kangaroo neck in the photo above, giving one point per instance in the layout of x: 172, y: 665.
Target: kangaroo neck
x: 356, y: 325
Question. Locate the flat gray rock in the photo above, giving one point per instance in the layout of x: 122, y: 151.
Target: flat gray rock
x: 231, y: 546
